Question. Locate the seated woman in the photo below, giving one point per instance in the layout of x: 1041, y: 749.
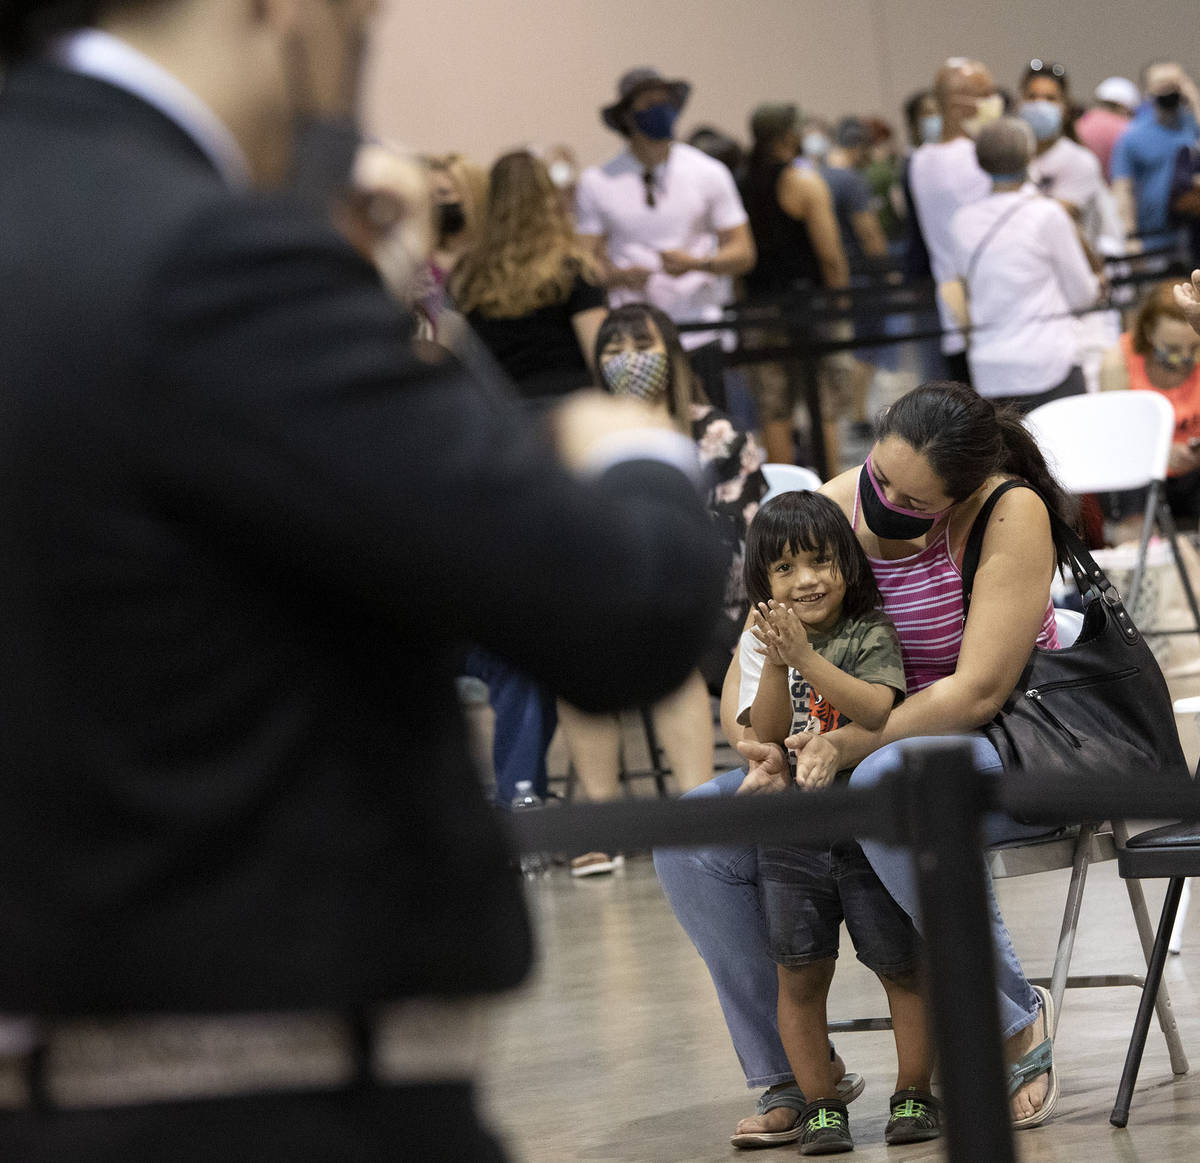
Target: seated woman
x: 940, y: 452
x: 638, y: 353
x: 1159, y: 355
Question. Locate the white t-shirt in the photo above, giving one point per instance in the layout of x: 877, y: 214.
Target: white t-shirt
x: 1071, y: 173
x: 1027, y: 279
x: 695, y: 197
x: 944, y: 175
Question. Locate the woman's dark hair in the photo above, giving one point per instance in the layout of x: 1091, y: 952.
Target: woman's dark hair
x: 810, y: 523
x: 634, y: 321
x: 967, y: 439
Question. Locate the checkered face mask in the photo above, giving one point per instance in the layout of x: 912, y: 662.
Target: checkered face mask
x: 637, y: 373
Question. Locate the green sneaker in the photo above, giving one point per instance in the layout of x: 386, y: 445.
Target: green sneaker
x: 825, y: 1128
x: 916, y: 1117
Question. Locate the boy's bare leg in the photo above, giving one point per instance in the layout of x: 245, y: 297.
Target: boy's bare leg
x: 803, y: 1026
x: 910, y: 1024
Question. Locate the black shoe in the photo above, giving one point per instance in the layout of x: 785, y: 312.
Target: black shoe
x: 916, y: 1117
x: 825, y: 1128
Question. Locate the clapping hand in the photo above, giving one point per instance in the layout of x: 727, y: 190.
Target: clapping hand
x: 1187, y: 296
x: 782, y: 634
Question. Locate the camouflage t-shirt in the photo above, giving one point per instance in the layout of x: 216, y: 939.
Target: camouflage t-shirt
x: 865, y: 647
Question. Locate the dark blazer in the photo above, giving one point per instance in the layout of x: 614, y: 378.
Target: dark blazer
x: 243, y: 533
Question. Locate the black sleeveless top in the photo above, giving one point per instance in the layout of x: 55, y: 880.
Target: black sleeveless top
x: 786, y: 258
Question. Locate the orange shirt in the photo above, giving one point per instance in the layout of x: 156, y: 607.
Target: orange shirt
x: 1185, y: 399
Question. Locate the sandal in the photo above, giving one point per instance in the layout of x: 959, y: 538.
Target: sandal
x: 595, y: 863
x: 916, y: 1117
x: 1039, y: 1060
x: 825, y: 1128
x: 849, y: 1087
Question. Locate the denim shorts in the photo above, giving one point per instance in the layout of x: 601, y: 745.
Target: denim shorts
x: 806, y: 893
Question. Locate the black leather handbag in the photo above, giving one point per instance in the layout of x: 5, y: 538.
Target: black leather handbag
x: 1098, y: 705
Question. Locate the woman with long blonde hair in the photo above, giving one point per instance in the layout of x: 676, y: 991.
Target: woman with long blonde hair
x: 527, y: 286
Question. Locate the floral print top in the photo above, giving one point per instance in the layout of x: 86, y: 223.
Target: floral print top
x: 733, y: 460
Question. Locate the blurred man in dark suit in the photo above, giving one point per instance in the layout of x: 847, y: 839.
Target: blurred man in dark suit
x: 249, y: 888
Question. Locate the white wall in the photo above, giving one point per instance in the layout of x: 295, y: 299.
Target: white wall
x: 483, y: 77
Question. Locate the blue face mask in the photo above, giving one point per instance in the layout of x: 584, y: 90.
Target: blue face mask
x: 1044, y: 118
x: 931, y: 127
x: 658, y: 122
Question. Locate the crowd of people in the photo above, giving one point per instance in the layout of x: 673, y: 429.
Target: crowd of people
x: 266, y: 501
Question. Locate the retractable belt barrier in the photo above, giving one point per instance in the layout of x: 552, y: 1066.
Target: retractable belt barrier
x: 933, y: 804
x: 806, y: 320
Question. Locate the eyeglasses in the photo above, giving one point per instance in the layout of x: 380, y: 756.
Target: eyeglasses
x: 1037, y: 65
x: 648, y: 182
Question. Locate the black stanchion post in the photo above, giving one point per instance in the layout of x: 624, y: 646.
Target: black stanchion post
x: 946, y: 799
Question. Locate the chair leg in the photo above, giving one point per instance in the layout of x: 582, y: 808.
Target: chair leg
x: 1139, y: 567
x: 1175, y: 945
x: 1167, y: 523
x: 1070, y: 923
x: 1162, y: 1006
x: 1141, y: 1025
x: 652, y: 745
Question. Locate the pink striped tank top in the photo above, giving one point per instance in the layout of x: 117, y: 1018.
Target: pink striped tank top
x: 922, y: 595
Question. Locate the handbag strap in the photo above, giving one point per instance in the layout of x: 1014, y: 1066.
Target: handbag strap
x: 1090, y: 579
x: 992, y: 231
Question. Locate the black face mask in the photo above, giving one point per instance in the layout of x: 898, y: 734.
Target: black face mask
x: 885, y: 519
x: 1169, y: 102
x: 451, y: 218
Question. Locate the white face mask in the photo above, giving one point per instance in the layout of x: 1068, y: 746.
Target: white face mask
x: 986, y: 109
x: 816, y: 145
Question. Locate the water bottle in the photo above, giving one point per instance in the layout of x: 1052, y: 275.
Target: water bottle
x: 533, y: 864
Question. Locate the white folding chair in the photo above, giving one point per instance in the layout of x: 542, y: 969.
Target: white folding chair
x: 788, y: 478
x: 1109, y: 442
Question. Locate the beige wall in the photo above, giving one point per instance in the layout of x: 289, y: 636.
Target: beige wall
x: 483, y: 77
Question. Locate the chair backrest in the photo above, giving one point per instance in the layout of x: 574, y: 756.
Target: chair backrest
x: 787, y: 478
x: 1105, y: 441
x: 1068, y: 624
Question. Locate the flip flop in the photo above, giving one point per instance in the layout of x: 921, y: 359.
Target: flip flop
x: 596, y: 863
x: 849, y: 1087
x: 1039, y: 1060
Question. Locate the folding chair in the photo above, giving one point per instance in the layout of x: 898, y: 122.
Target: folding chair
x: 787, y: 478
x: 1076, y: 849
x: 1111, y: 442
x: 1172, y: 852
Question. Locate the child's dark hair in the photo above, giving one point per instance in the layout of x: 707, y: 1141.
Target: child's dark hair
x: 808, y: 522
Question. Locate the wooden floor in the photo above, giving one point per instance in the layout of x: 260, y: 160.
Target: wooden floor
x: 616, y: 1052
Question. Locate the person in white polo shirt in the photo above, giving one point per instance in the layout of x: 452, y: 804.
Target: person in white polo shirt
x: 665, y: 220
x: 944, y: 175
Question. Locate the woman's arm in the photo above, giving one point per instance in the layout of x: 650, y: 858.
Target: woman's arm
x: 586, y: 325
x: 1075, y: 275
x: 1011, y: 591
x: 802, y: 194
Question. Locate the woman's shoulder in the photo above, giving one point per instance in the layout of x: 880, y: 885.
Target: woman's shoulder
x: 842, y: 489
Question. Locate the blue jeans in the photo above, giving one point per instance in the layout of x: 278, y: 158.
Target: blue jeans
x: 714, y: 893
x: 526, y: 716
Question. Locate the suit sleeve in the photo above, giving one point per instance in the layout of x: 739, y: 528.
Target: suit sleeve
x: 287, y: 419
